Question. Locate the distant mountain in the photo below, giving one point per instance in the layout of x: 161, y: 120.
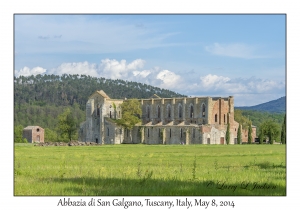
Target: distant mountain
x: 275, y: 106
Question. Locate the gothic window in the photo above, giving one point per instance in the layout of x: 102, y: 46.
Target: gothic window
x: 180, y: 111
x: 203, y: 110
x: 216, y: 118
x: 158, y: 112
x: 98, y: 110
x: 148, y: 112
x: 191, y: 111
x: 180, y: 132
x: 224, y: 119
x: 169, y: 111
x: 107, y: 131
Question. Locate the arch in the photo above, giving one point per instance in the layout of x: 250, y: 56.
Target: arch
x: 203, y: 110
x: 191, y: 111
x: 179, y: 110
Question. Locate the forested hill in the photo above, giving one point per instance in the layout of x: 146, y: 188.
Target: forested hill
x: 275, y: 106
x: 65, y: 90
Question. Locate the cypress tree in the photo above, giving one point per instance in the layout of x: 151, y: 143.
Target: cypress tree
x: 250, y: 133
x: 239, y: 135
x: 283, y: 131
x: 228, y: 134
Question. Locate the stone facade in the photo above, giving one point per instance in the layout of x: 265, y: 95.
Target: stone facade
x: 188, y: 120
x: 34, y: 134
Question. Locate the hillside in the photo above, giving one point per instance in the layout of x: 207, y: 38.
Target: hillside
x: 66, y: 90
x: 275, y: 106
x: 39, y: 100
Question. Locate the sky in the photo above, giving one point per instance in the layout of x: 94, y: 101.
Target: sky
x: 196, y: 54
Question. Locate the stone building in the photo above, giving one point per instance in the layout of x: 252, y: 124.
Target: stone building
x: 33, y: 134
x: 188, y: 120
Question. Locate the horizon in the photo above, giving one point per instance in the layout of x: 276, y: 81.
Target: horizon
x: 212, y: 55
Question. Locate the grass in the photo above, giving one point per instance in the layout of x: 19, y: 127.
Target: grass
x: 151, y: 170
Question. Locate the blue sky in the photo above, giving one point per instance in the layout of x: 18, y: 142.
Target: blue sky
x: 196, y: 55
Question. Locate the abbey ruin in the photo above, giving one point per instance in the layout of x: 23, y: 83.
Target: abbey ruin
x: 188, y: 120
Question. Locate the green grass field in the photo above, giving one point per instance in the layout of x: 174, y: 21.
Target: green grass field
x: 121, y: 170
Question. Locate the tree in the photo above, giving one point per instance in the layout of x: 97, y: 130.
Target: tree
x: 283, y: 131
x: 250, y: 133
x: 228, y: 134
x: 131, y: 112
x: 270, y: 129
x: 18, y: 133
x: 67, y: 123
x: 239, y: 135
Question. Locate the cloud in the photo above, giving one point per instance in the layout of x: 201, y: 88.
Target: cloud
x: 237, y: 50
x: 249, y: 91
x: 119, y: 70
x: 75, y: 68
x: 169, y: 79
x: 27, y: 71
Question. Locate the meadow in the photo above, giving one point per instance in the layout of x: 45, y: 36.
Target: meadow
x: 152, y: 170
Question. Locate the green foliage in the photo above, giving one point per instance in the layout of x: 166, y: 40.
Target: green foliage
x: 227, y: 137
x: 25, y: 140
x: 67, y: 124
x: 283, y: 131
x: 18, y: 134
x: 51, y: 135
x: 241, y: 118
x: 131, y: 112
x: 250, y: 134
x: 239, y: 135
x: 270, y: 129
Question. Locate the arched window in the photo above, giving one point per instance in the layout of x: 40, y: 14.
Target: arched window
x: 224, y: 119
x: 158, y: 111
x: 169, y: 111
x: 180, y: 111
x: 180, y: 132
x: 203, y: 110
x: 98, y: 110
x: 216, y: 118
x: 148, y: 112
x: 191, y: 111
